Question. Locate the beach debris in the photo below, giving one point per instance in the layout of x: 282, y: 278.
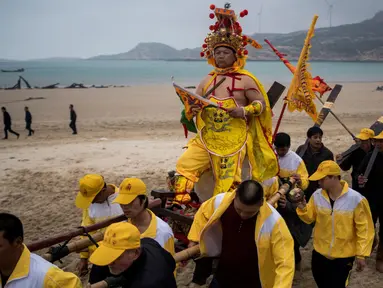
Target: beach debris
x: 76, y: 85
x: 190, y: 87
x: 52, y: 86
x: 34, y: 98
x: 18, y: 84
x: 379, y: 88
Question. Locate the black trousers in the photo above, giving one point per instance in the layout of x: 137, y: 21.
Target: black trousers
x: 28, y: 127
x: 72, y: 125
x: 203, y: 269
x: 376, y: 207
x: 331, y: 273
x: 98, y: 273
x: 298, y: 257
x: 8, y: 128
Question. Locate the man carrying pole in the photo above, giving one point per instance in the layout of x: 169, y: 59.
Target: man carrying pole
x: 134, y: 261
x: 344, y: 230
x: 250, y: 237
x: 356, y: 157
x: 371, y: 188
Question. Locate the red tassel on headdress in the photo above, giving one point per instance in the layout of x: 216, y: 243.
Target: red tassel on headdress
x: 185, y: 130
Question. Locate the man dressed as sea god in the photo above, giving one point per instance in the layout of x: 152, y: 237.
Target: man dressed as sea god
x: 241, y: 124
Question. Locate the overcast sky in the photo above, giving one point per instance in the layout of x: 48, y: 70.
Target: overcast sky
x: 32, y: 29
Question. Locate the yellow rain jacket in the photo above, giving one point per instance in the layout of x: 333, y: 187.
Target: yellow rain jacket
x: 346, y: 230
x: 33, y: 271
x: 291, y: 164
x: 274, y: 242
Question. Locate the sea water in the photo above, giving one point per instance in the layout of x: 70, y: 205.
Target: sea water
x: 137, y: 72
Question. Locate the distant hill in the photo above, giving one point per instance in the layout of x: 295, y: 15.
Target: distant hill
x: 352, y: 42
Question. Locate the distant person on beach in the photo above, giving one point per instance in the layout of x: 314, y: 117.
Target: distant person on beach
x: 8, y: 124
x: 73, y: 118
x: 28, y: 121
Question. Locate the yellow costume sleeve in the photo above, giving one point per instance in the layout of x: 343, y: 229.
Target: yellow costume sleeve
x: 86, y: 221
x: 201, y: 218
x: 283, y: 253
x: 302, y: 171
x: 364, y: 227
x: 57, y: 278
x: 261, y: 155
x: 308, y: 214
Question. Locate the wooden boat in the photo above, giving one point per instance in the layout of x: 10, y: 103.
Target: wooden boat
x: 17, y: 70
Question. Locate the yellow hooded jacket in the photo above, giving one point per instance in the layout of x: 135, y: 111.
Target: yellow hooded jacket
x: 346, y: 230
x: 274, y: 242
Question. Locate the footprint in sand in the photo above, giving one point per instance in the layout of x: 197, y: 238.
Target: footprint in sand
x: 23, y: 160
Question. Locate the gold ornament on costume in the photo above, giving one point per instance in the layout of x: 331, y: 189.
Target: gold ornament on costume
x: 227, y: 32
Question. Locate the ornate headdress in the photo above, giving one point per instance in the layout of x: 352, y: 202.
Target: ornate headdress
x: 227, y: 32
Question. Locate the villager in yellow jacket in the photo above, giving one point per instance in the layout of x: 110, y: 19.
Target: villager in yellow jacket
x: 134, y: 203
x: 95, y: 198
x: 291, y: 165
x: 343, y: 227
x: 19, y: 268
x: 249, y: 235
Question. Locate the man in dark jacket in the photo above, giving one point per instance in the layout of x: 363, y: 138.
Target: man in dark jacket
x: 372, y: 188
x: 28, y: 121
x: 356, y: 157
x: 134, y: 263
x: 8, y: 124
x: 73, y: 118
x: 315, y: 154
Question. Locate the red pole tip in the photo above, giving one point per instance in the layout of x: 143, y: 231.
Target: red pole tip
x: 212, y: 7
x: 211, y: 15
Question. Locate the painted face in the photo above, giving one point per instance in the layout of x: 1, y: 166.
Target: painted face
x: 132, y: 209
x: 246, y: 211
x: 316, y: 141
x: 123, y: 262
x: 224, y: 57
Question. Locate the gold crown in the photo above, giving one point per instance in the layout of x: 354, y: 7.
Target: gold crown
x: 227, y: 32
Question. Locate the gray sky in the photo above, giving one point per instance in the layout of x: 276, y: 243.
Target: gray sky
x: 83, y: 28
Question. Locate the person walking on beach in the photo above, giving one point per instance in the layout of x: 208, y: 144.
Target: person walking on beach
x: 28, y: 121
x: 73, y: 118
x: 344, y: 230
x: 8, y: 124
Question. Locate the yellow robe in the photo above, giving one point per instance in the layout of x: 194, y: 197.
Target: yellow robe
x: 222, y: 144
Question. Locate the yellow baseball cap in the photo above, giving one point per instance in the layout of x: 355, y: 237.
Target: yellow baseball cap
x: 379, y: 136
x: 118, y: 238
x: 130, y: 188
x: 365, y: 134
x: 326, y: 168
x: 90, y: 186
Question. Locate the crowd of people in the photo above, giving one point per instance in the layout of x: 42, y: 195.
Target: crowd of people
x: 7, y: 120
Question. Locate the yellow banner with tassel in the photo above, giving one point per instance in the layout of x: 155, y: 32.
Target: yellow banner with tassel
x: 300, y: 95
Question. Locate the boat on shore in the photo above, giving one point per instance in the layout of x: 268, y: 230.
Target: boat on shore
x: 17, y: 70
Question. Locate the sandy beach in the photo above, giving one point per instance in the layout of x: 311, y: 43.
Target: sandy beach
x: 133, y: 131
